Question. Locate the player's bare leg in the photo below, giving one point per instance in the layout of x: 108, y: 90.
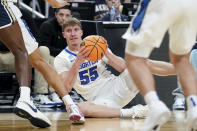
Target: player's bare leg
x: 187, y: 77
x: 94, y: 110
x: 11, y: 36
x: 138, y: 70
x: 54, y: 80
x: 143, y: 79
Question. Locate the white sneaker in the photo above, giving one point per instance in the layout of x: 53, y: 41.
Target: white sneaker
x: 43, y: 101
x: 179, y: 104
x: 158, y: 114
x: 139, y: 111
x: 75, y: 115
x: 28, y: 111
x: 192, y: 119
x: 56, y: 99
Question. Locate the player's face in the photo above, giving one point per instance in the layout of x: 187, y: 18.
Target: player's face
x: 62, y: 15
x: 73, y: 36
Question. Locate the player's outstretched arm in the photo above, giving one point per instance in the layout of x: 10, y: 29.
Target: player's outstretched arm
x: 115, y: 61
x: 161, y: 68
x: 57, y: 3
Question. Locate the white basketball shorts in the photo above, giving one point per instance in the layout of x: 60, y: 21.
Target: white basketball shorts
x: 117, y: 92
x: 154, y: 18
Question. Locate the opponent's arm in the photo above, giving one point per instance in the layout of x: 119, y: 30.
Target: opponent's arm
x: 115, y: 61
x: 161, y: 68
x: 69, y: 77
x: 57, y: 3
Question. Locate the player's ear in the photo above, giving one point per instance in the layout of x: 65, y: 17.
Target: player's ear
x: 55, y: 14
x: 63, y: 34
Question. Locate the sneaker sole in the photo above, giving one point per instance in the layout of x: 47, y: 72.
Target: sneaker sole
x: 78, y: 122
x: 162, y: 118
x: 178, y: 108
x: 34, y: 121
x: 76, y: 119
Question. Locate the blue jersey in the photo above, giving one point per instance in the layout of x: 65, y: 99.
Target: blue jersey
x: 7, y: 17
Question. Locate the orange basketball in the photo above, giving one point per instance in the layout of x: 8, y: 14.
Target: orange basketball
x: 97, y: 46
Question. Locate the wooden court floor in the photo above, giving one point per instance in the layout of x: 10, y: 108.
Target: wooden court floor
x: 60, y: 122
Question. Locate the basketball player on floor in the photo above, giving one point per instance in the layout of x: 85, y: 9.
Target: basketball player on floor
x: 10, y: 14
x: 105, y: 93
x: 146, y: 31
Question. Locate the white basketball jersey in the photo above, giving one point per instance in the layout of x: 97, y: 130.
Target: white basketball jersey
x: 92, y: 75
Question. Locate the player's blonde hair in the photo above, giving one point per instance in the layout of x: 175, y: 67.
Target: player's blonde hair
x: 71, y: 22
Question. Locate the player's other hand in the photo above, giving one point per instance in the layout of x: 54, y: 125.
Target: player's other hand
x: 106, y: 44
x: 58, y: 3
x: 105, y: 41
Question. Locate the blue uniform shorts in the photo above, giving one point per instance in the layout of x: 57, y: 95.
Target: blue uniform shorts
x: 7, y: 17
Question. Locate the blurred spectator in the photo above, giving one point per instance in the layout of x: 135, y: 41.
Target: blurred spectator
x: 114, y: 13
x: 52, y: 13
x: 50, y: 36
x: 100, y: 8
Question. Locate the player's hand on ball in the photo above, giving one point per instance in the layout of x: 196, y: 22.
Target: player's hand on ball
x: 82, y: 55
x: 104, y: 41
x: 106, y: 44
x: 97, y: 46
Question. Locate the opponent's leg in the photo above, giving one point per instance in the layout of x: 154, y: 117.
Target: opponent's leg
x: 141, y: 75
x: 12, y: 37
x: 186, y: 72
x: 48, y: 72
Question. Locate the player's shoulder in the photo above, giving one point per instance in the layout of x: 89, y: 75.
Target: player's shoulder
x: 66, y: 54
x: 62, y: 54
x: 61, y: 58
